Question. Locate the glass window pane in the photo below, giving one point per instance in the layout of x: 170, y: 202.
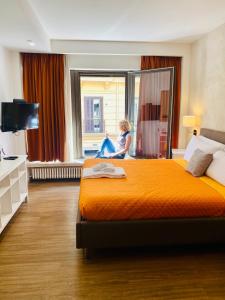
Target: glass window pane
x: 102, y: 106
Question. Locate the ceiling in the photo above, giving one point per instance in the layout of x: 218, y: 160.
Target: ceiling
x: 106, y: 20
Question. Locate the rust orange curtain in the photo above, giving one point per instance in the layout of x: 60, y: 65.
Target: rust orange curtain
x: 43, y: 82
x: 153, y: 62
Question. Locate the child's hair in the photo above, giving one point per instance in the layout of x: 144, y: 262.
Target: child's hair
x: 124, y: 125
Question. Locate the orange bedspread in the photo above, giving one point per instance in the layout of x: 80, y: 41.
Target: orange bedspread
x: 152, y: 189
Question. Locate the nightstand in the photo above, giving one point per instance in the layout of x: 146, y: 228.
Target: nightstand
x: 178, y: 153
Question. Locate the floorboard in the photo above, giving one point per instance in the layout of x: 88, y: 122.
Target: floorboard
x: 38, y: 259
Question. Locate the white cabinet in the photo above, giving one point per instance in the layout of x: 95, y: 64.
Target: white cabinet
x: 13, y: 188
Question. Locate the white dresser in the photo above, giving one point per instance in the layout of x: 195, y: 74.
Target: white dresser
x: 13, y: 188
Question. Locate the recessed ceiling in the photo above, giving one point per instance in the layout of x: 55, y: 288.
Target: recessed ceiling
x: 106, y: 20
x: 19, y: 24
x: 129, y: 20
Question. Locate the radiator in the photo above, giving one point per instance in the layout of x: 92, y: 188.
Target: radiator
x: 62, y: 172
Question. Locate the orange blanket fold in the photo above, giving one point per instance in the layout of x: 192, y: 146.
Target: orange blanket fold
x: 153, y: 189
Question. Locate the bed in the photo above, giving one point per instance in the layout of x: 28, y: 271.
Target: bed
x: 108, y: 226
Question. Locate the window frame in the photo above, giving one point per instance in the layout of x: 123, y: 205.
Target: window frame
x: 75, y: 76
x: 94, y: 118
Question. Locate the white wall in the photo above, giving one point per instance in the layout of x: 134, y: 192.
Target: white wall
x: 10, y: 87
x: 104, y: 62
x: 127, y: 56
x: 207, y: 90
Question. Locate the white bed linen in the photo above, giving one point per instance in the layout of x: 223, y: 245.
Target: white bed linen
x: 202, y: 143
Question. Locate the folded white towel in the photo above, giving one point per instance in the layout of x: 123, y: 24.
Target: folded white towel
x: 108, y: 172
x: 102, y: 166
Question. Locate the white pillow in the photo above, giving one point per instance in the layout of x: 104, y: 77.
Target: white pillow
x: 202, y: 143
x: 216, y: 169
x: 191, y: 147
x: 212, y: 142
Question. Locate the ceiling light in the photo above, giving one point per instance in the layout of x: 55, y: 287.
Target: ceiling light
x: 31, y: 43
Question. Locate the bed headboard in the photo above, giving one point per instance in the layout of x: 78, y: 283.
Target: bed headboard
x: 216, y: 135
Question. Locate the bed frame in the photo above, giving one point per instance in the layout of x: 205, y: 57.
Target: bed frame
x: 153, y: 232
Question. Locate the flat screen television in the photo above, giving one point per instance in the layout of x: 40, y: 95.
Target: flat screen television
x: 19, y: 116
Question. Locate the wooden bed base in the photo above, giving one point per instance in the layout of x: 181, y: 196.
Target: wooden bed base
x: 110, y: 234
x: 153, y: 232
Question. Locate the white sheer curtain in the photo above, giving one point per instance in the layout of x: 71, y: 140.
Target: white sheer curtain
x: 153, y: 114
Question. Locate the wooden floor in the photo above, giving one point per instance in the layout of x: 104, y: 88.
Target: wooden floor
x: 38, y: 259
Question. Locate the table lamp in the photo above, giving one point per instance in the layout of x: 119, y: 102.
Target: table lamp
x: 190, y: 122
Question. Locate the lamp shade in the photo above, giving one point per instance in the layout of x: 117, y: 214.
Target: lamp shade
x: 189, y: 121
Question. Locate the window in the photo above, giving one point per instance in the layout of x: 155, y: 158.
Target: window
x: 102, y: 106
x: 93, y: 115
x: 101, y: 99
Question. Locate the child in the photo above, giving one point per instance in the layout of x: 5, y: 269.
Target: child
x: 123, y: 143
